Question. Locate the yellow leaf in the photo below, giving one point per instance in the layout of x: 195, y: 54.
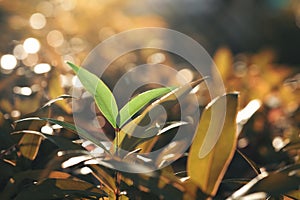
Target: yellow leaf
x: 70, y: 184
x: 213, y: 148
x: 107, y: 180
x: 123, y: 197
x: 29, y: 145
x: 59, y: 175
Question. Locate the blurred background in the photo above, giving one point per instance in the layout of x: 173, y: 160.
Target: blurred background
x: 255, y: 44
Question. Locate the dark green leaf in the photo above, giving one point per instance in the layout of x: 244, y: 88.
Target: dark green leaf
x: 162, y: 183
x: 274, y: 183
x: 250, y: 162
x: 81, y: 132
x: 77, y: 130
x: 60, y: 189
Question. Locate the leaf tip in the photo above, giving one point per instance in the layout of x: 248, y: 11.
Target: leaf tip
x: 73, y: 66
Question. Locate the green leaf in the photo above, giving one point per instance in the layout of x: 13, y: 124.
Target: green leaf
x: 168, y: 100
x: 162, y: 183
x: 139, y: 101
x: 212, y: 148
x: 284, y: 180
x: 98, y: 89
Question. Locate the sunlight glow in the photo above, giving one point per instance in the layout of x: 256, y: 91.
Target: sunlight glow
x: 256, y: 195
x: 31, y: 45
x: 8, y: 62
x: 144, y: 158
x: 74, y: 161
x: 245, y: 114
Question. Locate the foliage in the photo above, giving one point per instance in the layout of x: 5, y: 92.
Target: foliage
x: 37, y: 165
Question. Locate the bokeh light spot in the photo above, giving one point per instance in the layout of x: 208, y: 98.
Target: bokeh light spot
x: 278, y: 143
x: 8, y: 62
x: 243, y: 142
x: 77, y: 44
x: 15, y: 114
x: 156, y: 58
x: 42, y: 68
x: 31, y: 45
x: 31, y: 60
x: 19, y: 52
x: 55, y: 38
x: 26, y: 91
x: 184, y: 76
x: 68, y: 5
x: 37, y: 21
x: 46, y: 8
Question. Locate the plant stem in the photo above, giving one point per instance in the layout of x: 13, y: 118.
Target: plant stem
x: 117, y: 174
